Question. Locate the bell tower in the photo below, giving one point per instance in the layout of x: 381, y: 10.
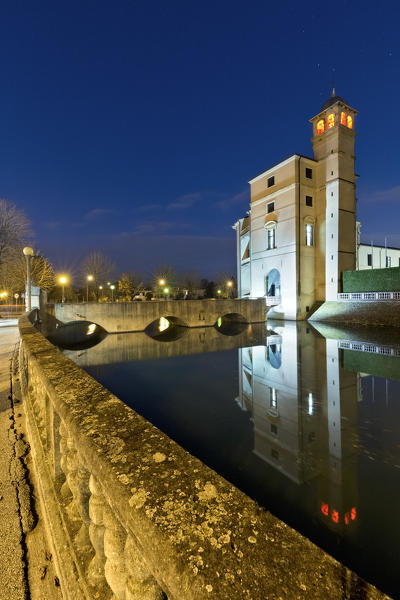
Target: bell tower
x: 333, y: 145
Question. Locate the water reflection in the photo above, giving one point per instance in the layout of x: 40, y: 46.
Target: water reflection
x: 304, y: 408
x: 305, y: 421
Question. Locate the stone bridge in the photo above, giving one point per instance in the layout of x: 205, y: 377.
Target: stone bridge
x: 136, y: 316
x: 130, y: 515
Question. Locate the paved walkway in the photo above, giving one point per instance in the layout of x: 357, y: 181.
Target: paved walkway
x: 26, y: 565
x: 13, y: 583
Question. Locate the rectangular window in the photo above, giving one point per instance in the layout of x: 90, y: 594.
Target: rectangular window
x: 308, y: 173
x: 274, y: 429
x: 369, y: 260
x: 273, y: 400
x: 271, y: 238
x: 271, y: 181
x: 309, y: 235
x: 388, y: 261
x: 274, y: 454
x: 308, y: 200
x: 270, y: 207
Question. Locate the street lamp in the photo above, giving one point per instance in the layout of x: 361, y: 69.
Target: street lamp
x: 63, y: 280
x: 219, y: 292
x: 89, y: 278
x: 28, y: 252
x: 229, y: 284
x: 161, y: 283
x: 112, y: 288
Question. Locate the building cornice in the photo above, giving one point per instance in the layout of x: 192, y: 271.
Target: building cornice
x: 287, y: 188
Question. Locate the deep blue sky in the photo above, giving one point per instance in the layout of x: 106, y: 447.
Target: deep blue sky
x: 133, y: 127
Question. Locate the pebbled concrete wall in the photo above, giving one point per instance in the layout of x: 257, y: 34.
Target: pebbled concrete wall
x: 136, y: 316
x: 384, y: 313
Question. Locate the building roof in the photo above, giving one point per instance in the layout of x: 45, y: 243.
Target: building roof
x: 292, y: 156
x: 332, y: 100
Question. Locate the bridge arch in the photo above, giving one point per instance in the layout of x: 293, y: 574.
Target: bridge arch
x: 166, y: 328
x: 231, y: 324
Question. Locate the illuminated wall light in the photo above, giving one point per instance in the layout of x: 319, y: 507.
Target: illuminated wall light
x: 330, y: 122
x: 310, y: 404
x: 164, y: 324
x: 91, y: 329
x: 219, y: 322
x: 320, y: 127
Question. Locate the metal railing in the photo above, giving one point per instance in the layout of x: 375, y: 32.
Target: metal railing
x: 368, y: 347
x: 368, y: 296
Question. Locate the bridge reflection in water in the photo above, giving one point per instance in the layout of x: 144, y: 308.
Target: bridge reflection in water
x: 312, y: 434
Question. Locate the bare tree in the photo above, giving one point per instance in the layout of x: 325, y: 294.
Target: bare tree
x: 14, y: 229
x: 97, y: 265
x: 164, y: 277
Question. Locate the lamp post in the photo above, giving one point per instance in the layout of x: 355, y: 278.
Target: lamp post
x: 229, y: 284
x: 161, y: 283
x: 63, y: 280
x: 88, y: 278
x: 100, y: 290
x: 112, y: 288
x: 28, y: 252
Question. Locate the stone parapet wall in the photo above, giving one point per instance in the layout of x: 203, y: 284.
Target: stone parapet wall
x: 136, y: 316
x: 132, y: 516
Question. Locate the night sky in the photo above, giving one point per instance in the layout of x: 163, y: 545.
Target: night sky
x: 133, y: 127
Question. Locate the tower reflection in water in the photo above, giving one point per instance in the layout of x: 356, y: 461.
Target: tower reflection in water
x: 304, y: 410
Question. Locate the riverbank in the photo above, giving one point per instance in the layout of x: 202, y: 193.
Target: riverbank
x: 368, y: 313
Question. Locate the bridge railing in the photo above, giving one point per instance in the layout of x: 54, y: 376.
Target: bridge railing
x: 130, y: 515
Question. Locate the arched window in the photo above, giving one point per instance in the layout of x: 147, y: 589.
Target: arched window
x: 270, y: 226
x: 320, y: 126
x: 330, y: 122
x: 349, y: 122
x: 343, y: 118
x: 309, y: 223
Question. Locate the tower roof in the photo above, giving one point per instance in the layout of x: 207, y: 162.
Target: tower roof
x: 332, y: 100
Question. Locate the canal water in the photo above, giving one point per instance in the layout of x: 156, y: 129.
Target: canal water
x: 305, y: 420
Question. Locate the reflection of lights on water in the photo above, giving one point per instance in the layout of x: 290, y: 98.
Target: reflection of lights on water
x: 310, y: 404
x: 219, y: 322
x: 164, y: 324
x: 91, y: 328
x: 335, y: 516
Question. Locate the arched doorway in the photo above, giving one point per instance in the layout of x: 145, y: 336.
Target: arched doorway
x: 273, y: 284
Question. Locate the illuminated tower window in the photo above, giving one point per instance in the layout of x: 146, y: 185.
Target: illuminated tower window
x: 349, y: 122
x: 330, y: 122
x: 309, y: 235
x: 343, y: 118
x: 320, y: 126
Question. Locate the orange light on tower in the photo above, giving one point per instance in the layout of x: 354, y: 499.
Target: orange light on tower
x: 343, y: 118
x: 320, y: 127
x: 349, y: 122
x: 330, y: 122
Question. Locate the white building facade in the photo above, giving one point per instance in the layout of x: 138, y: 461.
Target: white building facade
x: 300, y: 232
